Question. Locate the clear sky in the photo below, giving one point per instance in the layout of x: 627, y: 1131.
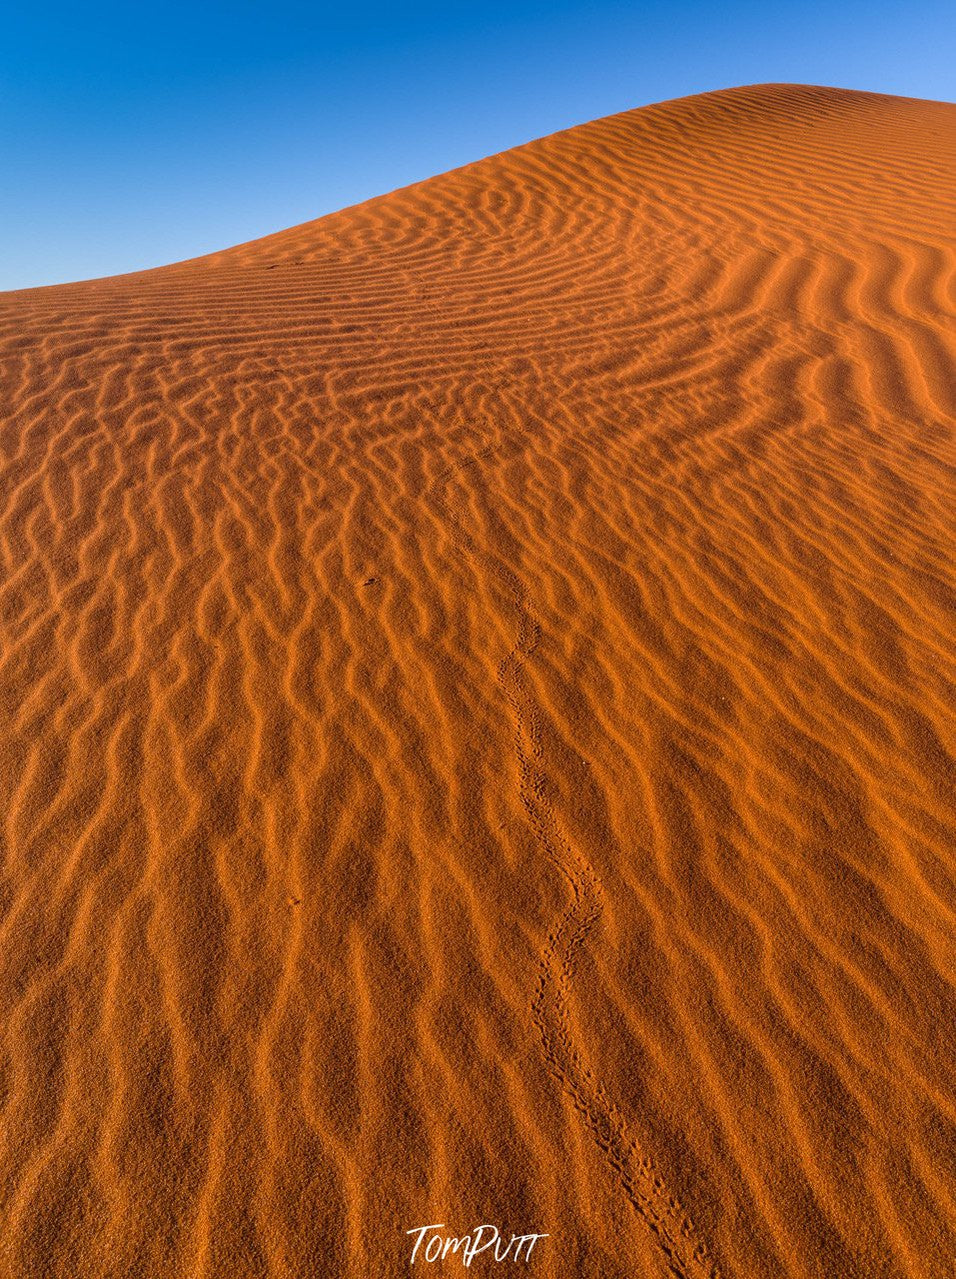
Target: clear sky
x: 137, y: 134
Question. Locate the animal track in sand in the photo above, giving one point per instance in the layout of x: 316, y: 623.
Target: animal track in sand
x: 674, y: 1231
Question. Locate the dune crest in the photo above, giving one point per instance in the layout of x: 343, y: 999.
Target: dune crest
x: 478, y: 682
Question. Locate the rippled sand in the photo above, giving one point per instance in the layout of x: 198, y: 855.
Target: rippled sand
x: 477, y: 684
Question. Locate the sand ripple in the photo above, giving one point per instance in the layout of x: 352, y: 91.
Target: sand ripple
x: 477, y: 676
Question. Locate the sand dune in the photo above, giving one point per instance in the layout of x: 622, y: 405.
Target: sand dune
x: 477, y: 680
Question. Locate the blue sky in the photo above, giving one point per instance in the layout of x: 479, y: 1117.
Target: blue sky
x: 133, y: 135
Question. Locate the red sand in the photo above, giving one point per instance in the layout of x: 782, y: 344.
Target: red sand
x: 477, y: 681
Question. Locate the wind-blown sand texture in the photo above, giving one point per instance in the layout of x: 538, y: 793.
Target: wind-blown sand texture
x: 476, y: 744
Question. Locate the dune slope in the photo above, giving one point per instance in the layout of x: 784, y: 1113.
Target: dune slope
x: 476, y: 675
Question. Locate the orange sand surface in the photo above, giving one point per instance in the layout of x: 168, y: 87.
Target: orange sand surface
x: 476, y: 685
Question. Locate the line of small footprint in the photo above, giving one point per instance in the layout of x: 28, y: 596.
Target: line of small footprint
x: 685, y: 1255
